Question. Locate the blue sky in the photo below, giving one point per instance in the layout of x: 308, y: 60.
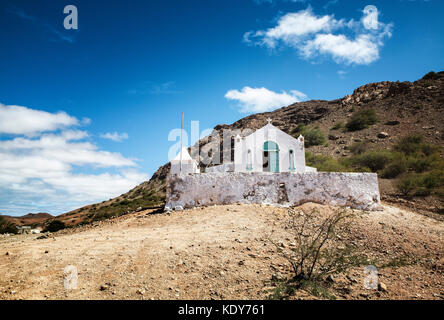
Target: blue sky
x: 85, y: 114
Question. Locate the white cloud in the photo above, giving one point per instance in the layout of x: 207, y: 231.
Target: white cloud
x: 262, y: 99
x: 313, y: 36
x: 362, y: 50
x: 294, y: 27
x: 56, y: 170
x: 23, y: 120
x: 100, y: 186
x: 117, y: 137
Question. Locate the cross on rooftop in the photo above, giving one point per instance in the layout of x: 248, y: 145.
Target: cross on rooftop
x: 269, y: 120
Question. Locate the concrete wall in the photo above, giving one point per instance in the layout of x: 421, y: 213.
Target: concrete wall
x: 228, y: 167
x: 357, y: 190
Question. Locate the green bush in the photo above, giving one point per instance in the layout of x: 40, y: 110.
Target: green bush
x: 420, y: 164
x: 314, y: 137
x: 397, y: 166
x: 362, y: 119
x: 429, y: 149
x: 393, y: 170
x: 338, y: 126
x: 414, y: 145
x: 359, y: 147
x: 55, y: 225
x: 299, y: 129
x: 6, y: 226
x: 374, y: 160
x: 324, y: 163
x: 409, y: 145
x: 422, y: 184
x: 432, y: 180
x: 407, y: 184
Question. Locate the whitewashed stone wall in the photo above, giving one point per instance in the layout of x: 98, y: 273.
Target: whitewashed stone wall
x: 356, y: 190
x: 228, y: 167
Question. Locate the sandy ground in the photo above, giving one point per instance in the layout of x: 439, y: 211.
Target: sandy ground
x: 219, y: 252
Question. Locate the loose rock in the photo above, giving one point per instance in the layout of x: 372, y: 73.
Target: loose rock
x: 382, y: 287
x: 104, y: 287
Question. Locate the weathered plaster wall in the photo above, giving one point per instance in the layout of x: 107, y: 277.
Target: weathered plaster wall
x: 228, y: 167
x: 357, y: 190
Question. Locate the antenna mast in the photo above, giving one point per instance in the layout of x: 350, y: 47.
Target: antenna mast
x: 181, y: 130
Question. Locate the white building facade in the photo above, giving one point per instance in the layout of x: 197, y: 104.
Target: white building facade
x: 269, y: 149
x: 184, y: 164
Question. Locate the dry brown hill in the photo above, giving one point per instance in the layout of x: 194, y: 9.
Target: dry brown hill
x: 220, y: 252
x: 403, y: 108
x: 29, y: 219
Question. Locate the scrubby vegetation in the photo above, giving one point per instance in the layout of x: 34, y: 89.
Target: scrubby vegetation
x: 316, y: 252
x: 362, y: 119
x: 373, y: 161
x: 359, y: 147
x: 6, y: 226
x: 338, y: 126
x: 324, y: 163
x: 422, y: 185
x: 424, y: 167
x: 313, y: 135
x: 417, y: 166
x: 118, y: 208
x: 55, y: 225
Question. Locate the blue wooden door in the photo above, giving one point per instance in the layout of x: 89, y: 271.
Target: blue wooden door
x: 272, y: 148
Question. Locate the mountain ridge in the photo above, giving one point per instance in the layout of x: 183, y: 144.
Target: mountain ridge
x: 28, y: 219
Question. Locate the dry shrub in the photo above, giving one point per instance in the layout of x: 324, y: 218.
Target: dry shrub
x: 318, y: 249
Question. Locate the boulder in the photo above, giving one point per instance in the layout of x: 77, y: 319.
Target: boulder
x: 382, y: 287
x: 392, y: 123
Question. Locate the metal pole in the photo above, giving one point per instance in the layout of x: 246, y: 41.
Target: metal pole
x: 181, y: 130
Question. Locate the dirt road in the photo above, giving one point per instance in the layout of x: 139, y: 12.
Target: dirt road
x: 219, y: 252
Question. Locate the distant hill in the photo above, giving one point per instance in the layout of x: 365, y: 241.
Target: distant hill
x: 29, y: 219
x: 403, y: 108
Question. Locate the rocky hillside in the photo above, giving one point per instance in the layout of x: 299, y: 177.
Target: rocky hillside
x: 403, y: 108
x: 148, y: 195
x: 29, y: 219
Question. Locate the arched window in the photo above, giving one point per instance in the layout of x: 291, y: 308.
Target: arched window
x: 291, y: 160
x: 249, y: 161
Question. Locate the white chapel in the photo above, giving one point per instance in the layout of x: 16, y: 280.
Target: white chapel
x: 268, y: 149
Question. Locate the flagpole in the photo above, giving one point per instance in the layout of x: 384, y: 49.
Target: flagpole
x: 181, y: 130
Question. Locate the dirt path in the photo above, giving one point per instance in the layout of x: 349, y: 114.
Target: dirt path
x: 219, y: 252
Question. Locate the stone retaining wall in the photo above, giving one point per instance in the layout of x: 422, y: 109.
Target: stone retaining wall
x: 228, y: 167
x: 356, y: 190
